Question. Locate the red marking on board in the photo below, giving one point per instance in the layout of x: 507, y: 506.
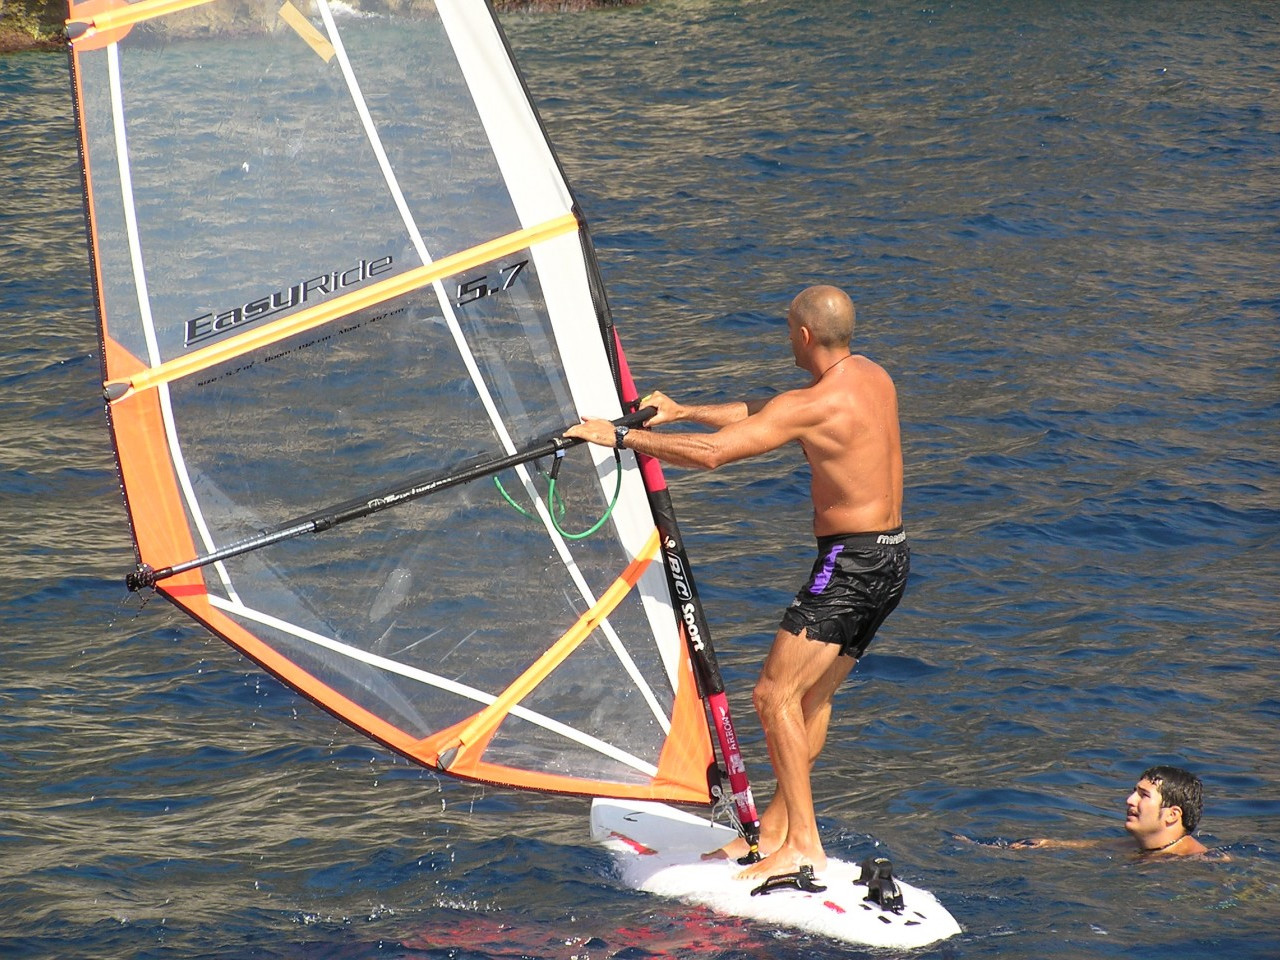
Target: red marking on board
x: 635, y: 845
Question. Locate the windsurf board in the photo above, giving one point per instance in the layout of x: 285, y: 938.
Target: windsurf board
x: 659, y: 848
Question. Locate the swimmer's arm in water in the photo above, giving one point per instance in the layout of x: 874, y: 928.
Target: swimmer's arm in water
x: 1045, y: 843
x: 1048, y: 843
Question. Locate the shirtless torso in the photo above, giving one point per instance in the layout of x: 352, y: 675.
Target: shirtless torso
x: 853, y: 447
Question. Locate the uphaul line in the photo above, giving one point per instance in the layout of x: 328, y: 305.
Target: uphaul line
x: 209, y: 325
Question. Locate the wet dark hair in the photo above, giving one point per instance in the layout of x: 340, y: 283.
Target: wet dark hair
x: 1178, y: 788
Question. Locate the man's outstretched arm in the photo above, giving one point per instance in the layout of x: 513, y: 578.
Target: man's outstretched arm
x: 746, y: 433
x: 708, y: 414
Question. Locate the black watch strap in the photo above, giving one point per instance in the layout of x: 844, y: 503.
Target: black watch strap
x: 619, y: 434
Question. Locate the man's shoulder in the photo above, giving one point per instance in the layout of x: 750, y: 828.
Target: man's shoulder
x: 785, y: 413
x: 871, y: 369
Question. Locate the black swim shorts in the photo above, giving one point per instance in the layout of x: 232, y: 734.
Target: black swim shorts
x: 857, y: 581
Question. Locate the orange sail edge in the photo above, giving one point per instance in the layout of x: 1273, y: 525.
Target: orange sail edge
x: 688, y: 755
x: 681, y: 773
x: 161, y: 531
x: 685, y: 784
x: 515, y: 778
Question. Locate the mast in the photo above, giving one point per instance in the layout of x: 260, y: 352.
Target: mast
x: 696, y: 627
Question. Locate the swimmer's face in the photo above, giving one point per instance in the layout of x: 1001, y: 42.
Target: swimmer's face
x: 1144, y: 810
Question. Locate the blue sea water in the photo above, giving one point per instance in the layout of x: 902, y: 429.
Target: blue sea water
x: 1061, y: 224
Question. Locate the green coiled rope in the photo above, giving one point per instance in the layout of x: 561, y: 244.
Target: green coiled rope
x: 556, y: 504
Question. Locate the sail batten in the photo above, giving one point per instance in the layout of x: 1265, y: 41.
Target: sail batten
x: 258, y: 337
x: 126, y: 199
x: 334, y: 250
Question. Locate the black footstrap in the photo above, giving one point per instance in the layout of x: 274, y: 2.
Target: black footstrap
x: 877, y: 874
x: 801, y: 879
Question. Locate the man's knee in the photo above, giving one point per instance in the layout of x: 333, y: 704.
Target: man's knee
x: 772, y: 697
x: 765, y: 696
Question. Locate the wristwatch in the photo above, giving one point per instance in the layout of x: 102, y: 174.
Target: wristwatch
x: 620, y: 434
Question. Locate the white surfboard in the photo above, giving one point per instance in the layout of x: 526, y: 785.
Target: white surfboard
x: 659, y: 849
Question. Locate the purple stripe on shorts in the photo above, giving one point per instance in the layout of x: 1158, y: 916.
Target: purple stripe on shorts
x: 828, y: 567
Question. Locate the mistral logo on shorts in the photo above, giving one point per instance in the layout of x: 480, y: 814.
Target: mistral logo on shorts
x: 889, y: 539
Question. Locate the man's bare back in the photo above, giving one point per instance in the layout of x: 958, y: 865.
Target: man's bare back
x: 853, y: 448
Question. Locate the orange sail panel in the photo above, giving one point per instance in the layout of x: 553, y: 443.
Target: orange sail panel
x: 333, y: 253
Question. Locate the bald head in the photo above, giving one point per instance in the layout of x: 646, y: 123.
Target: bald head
x: 827, y: 312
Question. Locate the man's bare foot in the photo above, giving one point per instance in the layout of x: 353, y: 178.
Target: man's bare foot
x: 736, y: 849
x: 785, y: 860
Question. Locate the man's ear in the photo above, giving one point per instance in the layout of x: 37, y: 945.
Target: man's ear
x: 1172, y: 815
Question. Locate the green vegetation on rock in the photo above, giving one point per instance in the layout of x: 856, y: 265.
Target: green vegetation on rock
x: 31, y: 24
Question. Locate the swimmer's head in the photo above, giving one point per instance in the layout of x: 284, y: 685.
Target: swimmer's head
x: 1178, y: 788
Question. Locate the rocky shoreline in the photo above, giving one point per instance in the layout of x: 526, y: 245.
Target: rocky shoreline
x: 13, y: 40
x: 38, y: 24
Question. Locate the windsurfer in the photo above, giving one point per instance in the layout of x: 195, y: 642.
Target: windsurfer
x: 846, y: 422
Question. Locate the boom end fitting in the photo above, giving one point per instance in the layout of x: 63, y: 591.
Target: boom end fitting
x: 143, y: 576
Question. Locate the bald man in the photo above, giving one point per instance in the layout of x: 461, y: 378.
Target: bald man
x: 846, y: 422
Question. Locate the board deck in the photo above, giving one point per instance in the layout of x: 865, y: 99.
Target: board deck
x: 659, y: 850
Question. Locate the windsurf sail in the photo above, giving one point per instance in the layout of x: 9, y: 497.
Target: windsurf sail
x: 337, y: 263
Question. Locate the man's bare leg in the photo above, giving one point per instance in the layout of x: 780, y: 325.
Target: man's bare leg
x: 793, y: 698
x: 817, y: 718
